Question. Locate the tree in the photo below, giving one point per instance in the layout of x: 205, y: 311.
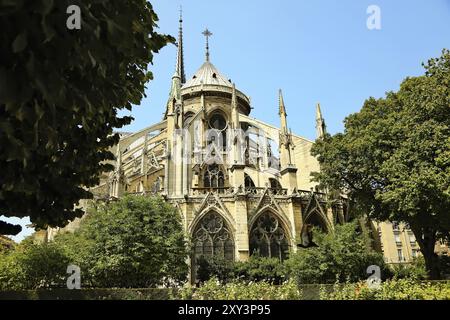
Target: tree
x: 33, y: 266
x: 340, y: 256
x: 132, y: 242
x: 259, y: 268
x: 393, y: 158
x: 215, y: 267
x: 415, y: 270
x: 60, y: 92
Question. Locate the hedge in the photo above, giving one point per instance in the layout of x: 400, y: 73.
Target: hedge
x: 404, y: 289
x: 90, y: 294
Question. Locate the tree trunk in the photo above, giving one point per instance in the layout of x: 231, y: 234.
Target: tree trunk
x: 426, y: 238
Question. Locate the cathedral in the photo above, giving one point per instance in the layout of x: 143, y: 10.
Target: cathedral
x: 240, y: 185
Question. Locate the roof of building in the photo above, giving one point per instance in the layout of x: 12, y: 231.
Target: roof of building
x: 208, y: 74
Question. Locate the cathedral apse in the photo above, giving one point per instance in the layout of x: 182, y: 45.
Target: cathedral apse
x: 241, y: 186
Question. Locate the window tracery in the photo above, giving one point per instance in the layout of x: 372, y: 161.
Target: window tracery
x: 212, y: 238
x: 213, y: 177
x: 268, y: 238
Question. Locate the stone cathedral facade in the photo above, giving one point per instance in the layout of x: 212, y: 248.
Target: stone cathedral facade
x: 240, y: 185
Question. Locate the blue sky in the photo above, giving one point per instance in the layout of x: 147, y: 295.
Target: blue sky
x: 315, y: 50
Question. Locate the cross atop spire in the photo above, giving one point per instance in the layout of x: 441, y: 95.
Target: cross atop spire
x: 207, y: 34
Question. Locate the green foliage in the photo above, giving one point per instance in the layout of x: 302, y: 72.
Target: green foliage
x: 133, y: 242
x: 394, y: 157
x: 343, y: 255
x: 9, y: 228
x: 340, y: 256
x: 60, y: 94
x: 415, y: 270
x: 33, y: 266
x: 215, y: 267
x: 403, y: 289
x: 258, y: 268
x: 90, y: 294
x: 214, y: 290
x: 444, y: 264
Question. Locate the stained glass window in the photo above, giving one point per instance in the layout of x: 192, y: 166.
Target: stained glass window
x: 212, y: 237
x: 268, y: 237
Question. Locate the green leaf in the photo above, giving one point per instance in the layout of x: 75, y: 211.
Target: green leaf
x: 20, y: 43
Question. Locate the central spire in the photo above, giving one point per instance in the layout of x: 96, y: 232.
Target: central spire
x: 180, y: 58
x: 207, y: 34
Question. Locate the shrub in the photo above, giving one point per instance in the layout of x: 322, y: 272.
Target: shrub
x: 256, y: 269
x: 240, y: 290
x: 135, y: 242
x: 259, y: 268
x: 445, y: 266
x: 33, y: 266
x: 415, y: 270
x: 342, y: 255
x: 215, y: 267
x: 89, y: 294
x: 402, y: 289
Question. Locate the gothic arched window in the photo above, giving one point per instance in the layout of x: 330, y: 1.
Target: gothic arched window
x: 213, y: 177
x: 212, y: 238
x: 268, y: 238
x: 249, y: 184
x: 188, y: 117
x: 275, y: 184
x: 316, y: 220
x: 218, y: 123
